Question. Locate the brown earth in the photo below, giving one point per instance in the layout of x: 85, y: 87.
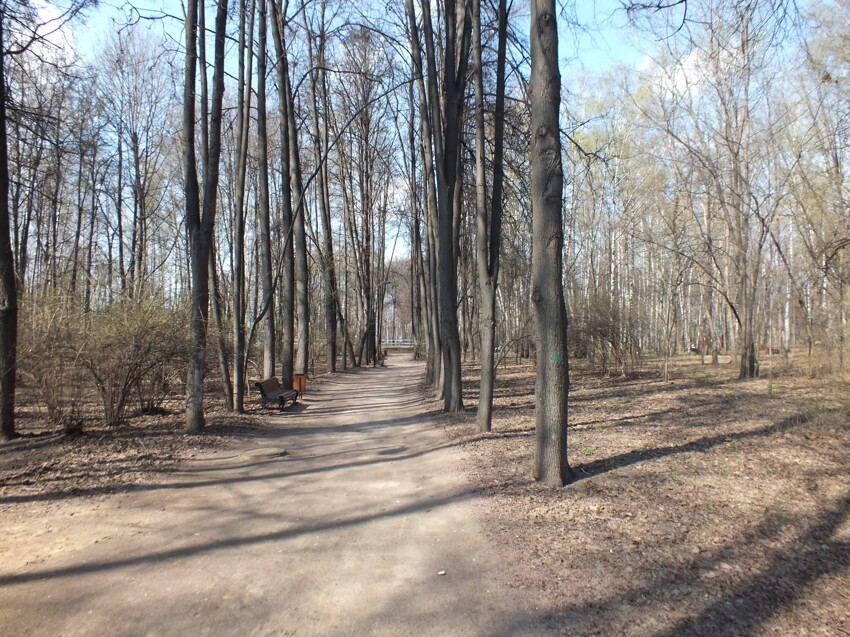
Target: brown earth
x: 348, y: 514
x: 702, y: 507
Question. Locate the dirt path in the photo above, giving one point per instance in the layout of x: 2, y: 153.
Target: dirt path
x: 343, y: 535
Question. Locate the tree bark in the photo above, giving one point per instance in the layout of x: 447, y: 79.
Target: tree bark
x: 552, y: 386
x: 264, y: 205
x: 246, y: 48
x: 8, y: 283
x: 287, y: 294
x: 446, y: 133
x: 431, y: 295
x: 223, y: 358
x: 302, y: 307
x: 200, y: 223
x: 488, y: 233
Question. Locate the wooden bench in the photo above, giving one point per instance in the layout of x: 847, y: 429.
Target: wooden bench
x: 272, y: 393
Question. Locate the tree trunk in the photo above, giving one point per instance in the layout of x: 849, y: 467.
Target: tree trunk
x: 246, y: 48
x: 200, y: 223
x: 223, y: 359
x: 302, y: 307
x: 446, y: 133
x: 8, y: 284
x: 90, y: 243
x: 550, y: 461
x: 489, y: 234
x: 80, y: 213
x: 287, y: 294
x: 264, y: 207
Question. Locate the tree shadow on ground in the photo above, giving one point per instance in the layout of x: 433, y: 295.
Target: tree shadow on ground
x: 702, y: 444
x: 277, y: 436
x: 748, y: 601
x: 207, y: 547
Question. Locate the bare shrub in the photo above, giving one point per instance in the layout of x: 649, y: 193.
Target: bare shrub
x: 49, y: 328
x: 133, y: 347
x: 607, y: 336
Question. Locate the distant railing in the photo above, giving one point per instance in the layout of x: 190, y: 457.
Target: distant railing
x: 398, y: 342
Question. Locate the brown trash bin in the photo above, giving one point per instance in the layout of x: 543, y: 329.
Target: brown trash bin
x: 299, y: 383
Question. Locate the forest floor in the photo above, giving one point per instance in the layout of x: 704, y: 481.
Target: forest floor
x: 347, y: 514
x: 701, y: 506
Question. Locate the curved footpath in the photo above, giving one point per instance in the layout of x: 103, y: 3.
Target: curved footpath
x: 343, y: 535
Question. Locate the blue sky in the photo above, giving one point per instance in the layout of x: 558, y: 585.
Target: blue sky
x: 605, y: 39
x: 109, y: 15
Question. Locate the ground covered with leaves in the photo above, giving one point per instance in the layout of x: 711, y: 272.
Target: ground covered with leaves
x: 45, y: 466
x: 701, y: 505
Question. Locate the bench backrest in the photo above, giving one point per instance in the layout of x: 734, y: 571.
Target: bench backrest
x: 268, y: 386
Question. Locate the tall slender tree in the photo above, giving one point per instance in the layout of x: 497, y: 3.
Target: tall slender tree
x: 265, y: 274
x: 287, y: 278
x: 489, y: 227
x: 319, y: 99
x: 8, y: 282
x: 445, y: 128
x: 200, y: 221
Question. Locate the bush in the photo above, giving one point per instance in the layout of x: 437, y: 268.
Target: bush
x: 48, y: 330
x: 607, y: 337
x: 133, y: 347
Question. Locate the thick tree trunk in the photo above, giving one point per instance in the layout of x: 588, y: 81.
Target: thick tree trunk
x: 446, y: 133
x: 550, y: 461
x: 195, y: 377
x: 749, y: 360
x: 302, y: 307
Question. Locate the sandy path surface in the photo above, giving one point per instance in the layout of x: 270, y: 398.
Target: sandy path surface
x: 343, y: 535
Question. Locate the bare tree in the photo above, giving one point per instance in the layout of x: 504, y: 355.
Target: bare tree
x: 547, y: 178
x: 319, y: 100
x: 489, y: 227
x: 200, y: 222
x: 287, y: 277
x: 445, y: 112
x: 266, y: 278
x: 8, y: 283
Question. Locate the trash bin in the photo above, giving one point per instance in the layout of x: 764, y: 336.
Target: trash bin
x: 299, y: 383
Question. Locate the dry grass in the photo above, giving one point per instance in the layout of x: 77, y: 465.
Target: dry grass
x: 44, y: 466
x: 701, y: 506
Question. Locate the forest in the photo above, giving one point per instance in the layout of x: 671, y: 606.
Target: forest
x: 362, y: 175
x: 452, y: 217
